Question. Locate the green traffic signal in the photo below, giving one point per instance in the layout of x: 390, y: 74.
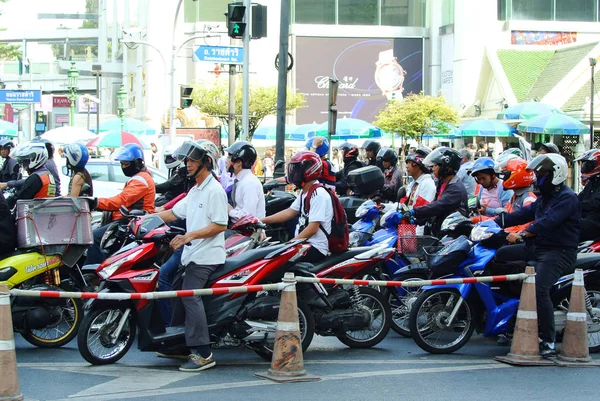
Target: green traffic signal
x: 236, y: 29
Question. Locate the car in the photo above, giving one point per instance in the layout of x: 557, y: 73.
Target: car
x: 108, y: 178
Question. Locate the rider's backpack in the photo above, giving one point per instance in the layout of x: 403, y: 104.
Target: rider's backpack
x: 338, y: 238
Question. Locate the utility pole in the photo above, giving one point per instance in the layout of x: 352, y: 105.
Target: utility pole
x: 282, y: 86
x: 246, y: 71
x: 592, y: 65
x: 332, y: 111
x: 97, y: 72
x: 231, y: 116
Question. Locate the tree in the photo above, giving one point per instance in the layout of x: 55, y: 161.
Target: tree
x: 417, y: 115
x: 214, y: 101
x: 8, y: 52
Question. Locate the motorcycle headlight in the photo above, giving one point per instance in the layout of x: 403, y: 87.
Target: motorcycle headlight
x: 111, y: 268
x: 357, y: 238
x: 109, y: 237
x: 480, y: 233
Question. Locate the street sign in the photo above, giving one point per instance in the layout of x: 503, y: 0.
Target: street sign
x: 20, y: 96
x: 20, y: 106
x: 219, y: 54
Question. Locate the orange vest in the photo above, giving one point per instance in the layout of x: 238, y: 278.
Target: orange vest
x: 48, y: 185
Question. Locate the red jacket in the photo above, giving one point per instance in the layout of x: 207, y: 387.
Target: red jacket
x: 139, y: 191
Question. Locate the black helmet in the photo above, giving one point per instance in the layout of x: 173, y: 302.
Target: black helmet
x: 387, y: 155
x: 418, y: 157
x: 371, y: 146
x: 448, y: 159
x: 550, y: 148
x: 244, y: 151
x: 349, y: 152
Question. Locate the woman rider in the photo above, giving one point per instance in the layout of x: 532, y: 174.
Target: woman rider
x: 77, y: 157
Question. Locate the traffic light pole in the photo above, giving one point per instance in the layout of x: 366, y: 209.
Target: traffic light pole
x: 172, y: 132
x: 246, y: 72
x: 282, y: 86
x: 231, y: 116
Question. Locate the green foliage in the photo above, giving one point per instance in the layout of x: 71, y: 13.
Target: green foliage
x: 214, y: 101
x: 417, y: 115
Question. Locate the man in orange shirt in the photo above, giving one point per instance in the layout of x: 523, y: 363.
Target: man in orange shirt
x: 139, y: 193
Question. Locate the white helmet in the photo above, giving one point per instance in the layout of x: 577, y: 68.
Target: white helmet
x: 32, y: 156
x: 170, y: 160
x: 503, y: 159
x: 550, y: 163
x: 198, y: 150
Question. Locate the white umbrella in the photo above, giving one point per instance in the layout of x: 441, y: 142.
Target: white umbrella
x: 68, y: 134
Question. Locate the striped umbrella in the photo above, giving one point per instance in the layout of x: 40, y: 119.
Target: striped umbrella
x: 350, y: 128
x: 526, y: 110
x: 131, y: 125
x: 486, y: 128
x: 554, y: 124
x: 115, y: 139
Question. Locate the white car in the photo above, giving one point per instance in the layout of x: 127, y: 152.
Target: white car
x: 108, y: 178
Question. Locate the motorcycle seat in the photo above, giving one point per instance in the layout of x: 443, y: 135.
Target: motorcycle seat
x: 336, y: 258
x: 245, y: 258
x: 587, y: 261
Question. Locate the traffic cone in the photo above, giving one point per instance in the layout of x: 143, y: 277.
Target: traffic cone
x: 287, y: 364
x: 525, y: 348
x: 575, y: 350
x: 9, y: 379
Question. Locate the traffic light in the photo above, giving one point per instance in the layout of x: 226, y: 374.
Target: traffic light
x: 259, y: 21
x: 235, y: 16
x: 185, y: 93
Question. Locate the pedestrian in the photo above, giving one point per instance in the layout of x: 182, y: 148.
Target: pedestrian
x: 154, y: 150
x: 205, y: 211
x: 464, y: 172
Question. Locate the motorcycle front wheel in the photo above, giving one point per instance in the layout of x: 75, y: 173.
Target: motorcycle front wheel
x: 430, y: 324
x: 306, y: 322
x: 593, y: 292
x: 95, y: 341
x: 401, y: 300
x: 61, y: 331
x: 378, y: 307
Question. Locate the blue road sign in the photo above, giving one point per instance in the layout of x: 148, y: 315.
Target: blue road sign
x: 220, y: 54
x: 20, y: 96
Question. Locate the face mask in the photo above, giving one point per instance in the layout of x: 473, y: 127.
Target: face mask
x: 230, y: 169
x: 130, y: 170
x: 544, y: 184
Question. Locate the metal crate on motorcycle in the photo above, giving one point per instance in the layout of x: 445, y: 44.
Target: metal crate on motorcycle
x: 366, y: 180
x: 53, y: 221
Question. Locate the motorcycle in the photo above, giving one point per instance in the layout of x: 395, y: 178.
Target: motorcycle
x: 443, y: 318
x: 109, y: 327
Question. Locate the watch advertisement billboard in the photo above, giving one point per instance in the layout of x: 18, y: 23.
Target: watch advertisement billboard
x: 370, y: 72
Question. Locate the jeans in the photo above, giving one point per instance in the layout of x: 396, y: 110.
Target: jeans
x: 165, y: 280
x: 552, y: 263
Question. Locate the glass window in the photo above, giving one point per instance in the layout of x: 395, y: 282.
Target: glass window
x: 204, y: 10
x: 394, y: 12
x: 448, y: 12
x: 536, y: 10
x: 502, y: 10
x: 576, y: 10
x: 98, y: 171
x: 358, y: 12
x: 314, y: 11
x: 119, y: 175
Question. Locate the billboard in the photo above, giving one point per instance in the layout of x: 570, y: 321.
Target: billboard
x: 370, y: 72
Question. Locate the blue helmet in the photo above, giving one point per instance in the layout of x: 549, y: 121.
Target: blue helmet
x: 321, y: 149
x: 484, y: 164
x: 129, y: 152
x: 77, y: 155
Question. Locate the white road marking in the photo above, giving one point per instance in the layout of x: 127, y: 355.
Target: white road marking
x: 107, y: 393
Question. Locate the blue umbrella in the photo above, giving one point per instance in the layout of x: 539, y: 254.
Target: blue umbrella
x: 350, y: 128
x: 554, y: 124
x: 486, y: 128
x: 304, y: 132
x: 526, y: 110
x: 270, y: 132
x: 132, y: 126
x: 8, y: 129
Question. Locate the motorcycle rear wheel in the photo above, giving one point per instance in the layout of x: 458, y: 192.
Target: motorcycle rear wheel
x: 61, y: 332
x: 93, y: 340
x: 379, y: 326
x: 306, y: 321
x: 428, y: 318
x: 593, y: 292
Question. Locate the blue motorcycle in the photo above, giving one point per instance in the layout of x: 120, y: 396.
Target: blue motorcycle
x: 443, y: 318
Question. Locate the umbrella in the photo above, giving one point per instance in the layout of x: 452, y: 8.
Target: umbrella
x: 350, y: 128
x: 8, y: 129
x: 269, y: 132
x: 114, y: 139
x: 486, y: 128
x: 554, y: 124
x: 131, y: 125
x: 525, y: 110
x: 68, y: 134
x: 304, y: 132
x: 452, y: 131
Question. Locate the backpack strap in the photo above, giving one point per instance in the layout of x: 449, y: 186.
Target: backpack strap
x: 306, y: 208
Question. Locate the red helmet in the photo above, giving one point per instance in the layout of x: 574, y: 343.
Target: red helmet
x: 303, y: 167
x: 514, y: 174
x: 590, y: 164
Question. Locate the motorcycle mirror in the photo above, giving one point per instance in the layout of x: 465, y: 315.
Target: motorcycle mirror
x: 123, y: 210
x: 279, y: 163
x: 65, y: 170
x: 401, y: 192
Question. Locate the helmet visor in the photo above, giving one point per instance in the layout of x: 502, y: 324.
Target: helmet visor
x: 189, y: 150
x: 587, y: 166
x: 295, y: 173
x: 541, y: 164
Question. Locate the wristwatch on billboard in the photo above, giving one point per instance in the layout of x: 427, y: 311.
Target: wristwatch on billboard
x: 389, y: 75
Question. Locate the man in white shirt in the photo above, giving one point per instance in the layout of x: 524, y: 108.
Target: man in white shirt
x: 205, y: 211
x: 247, y: 196
x: 314, y: 224
x: 421, y: 190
